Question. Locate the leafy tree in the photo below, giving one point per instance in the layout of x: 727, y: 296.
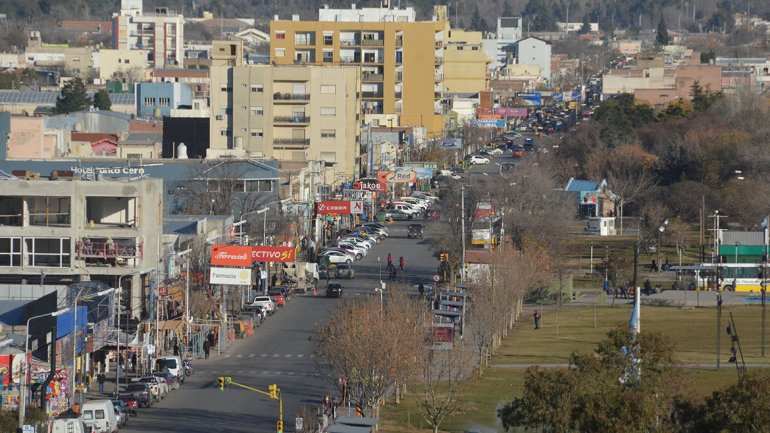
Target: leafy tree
x: 708, y: 57
x: 102, y: 100
x: 675, y: 109
x: 702, y: 98
x: 507, y: 11
x: 73, y: 97
x: 661, y: 35
x: 586, y: 27
x: 539, y: 15
x: 477, y: 22
x: 741, y: 407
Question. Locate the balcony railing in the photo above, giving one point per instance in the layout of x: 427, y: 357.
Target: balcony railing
x: 372, y: 42
x: 291, y: 96
x: 439, y: 60
x: 437, y: 95
x: 291, y: 142
x: 439, y: 44
x: 104, y: 250
x: 438, y: 77
x: 371, y: 94
x: 399, y: 76
x: 372, y: 77
x: 291, y: 119
x: 398, y: 95
x: 372, y: 60
x: 349, y: 42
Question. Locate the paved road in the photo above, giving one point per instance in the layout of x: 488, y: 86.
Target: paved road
x: 280, y: 352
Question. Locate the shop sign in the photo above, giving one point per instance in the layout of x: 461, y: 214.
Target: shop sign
x: 333, y: 207
x: 230, y: 255
x: 273, y: 254
x: 370, y: 185
x: 405, y: 176
x: 230, y: 276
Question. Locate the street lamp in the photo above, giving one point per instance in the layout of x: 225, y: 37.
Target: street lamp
x: 24, y: 372
x: 264, y: 223
x: 75, y: 334
x: 661, y: 229
x: 186, y: 255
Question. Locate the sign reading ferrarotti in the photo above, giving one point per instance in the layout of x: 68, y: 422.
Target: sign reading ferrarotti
x: 273, y: 254
x: 230, y: 255
x: 333, y: 207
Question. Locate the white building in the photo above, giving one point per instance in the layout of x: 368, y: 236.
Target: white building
x: 537, y: 52
x: 576, y: 27
x: 160, y: 33
x: 508, y: 32
x: 381, y: 14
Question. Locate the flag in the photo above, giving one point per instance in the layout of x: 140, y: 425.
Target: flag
x: 633, y: 324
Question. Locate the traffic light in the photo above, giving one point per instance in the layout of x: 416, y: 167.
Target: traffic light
x: 278, y: 425
x: 221, y: 381
x: 228, y: 380
x: 273, y: 391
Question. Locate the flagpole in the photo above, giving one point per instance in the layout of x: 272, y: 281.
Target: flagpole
x: 637, y: 310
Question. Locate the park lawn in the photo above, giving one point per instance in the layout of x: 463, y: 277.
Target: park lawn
x: 692, y: 332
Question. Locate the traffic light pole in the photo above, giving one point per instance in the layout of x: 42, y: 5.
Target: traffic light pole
x: 274, y: 393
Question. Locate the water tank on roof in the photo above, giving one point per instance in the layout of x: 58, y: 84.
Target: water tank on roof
x: 77, y: 127
x: 181, y: 151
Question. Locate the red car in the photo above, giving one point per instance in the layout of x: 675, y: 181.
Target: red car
x: 277, y: 297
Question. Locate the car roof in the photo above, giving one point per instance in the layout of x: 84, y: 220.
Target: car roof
x: 334, y: 286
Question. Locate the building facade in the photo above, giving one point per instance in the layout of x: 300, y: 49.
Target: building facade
x: 265, y: 111
x: 465, y: 63
x: 507, y: 33
x: 160, y: 33
x: 158, y: 99
x: 401, y: 59
x: 535, y: 51
x: 124, y: 65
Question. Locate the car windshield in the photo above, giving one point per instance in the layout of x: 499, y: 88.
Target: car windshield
x: 132, y: 388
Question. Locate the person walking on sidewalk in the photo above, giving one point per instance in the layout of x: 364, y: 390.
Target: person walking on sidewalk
x: 133, y: 361
x: 401, y: 263
x: 206, y: 348
x: 537, y: 319
x: 100, y: 378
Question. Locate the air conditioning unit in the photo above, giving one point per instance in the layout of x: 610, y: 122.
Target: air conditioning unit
x: 220, y: 117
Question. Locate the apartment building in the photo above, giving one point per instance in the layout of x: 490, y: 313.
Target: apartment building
x: 65, y: 229
x: 265, y: 111
x: 465, y: 63
x: 401, y: 59
x: 160, y: 33
x: 498, y: 48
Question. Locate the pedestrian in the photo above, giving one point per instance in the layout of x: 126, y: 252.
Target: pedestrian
x: 647, y: 287
x: 133, y: 361
x: 401, y: 263
x: 537, y: 319
x: 120, y: 361
x: 176, y: 349
x: 100, y: 379
x: 206, y: 348
x: 421, y: 289
x: 654, y: 266
x: 666, y: 265
x: 392, y: 276
x: 334, y: 408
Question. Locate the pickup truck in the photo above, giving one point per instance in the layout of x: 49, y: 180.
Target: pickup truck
x: 158, y: 386
x: 140, y: 391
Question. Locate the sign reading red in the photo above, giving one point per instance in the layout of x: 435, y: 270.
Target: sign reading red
x: 333, y: 207
x: 273, y: 254
x: 370, y: 185
x: 230, y: 255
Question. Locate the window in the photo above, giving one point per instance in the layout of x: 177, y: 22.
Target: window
x: 280, y: 35
x: 126, y: 61
x: 224, y: 88
x: 328, y: 39
x: 328, y: 133
x: 224, y: 132
x: 134, y: 156
x: 46, y: 252
x: 256, y: 111
x: 328, y: 111
x: 280, y: 52
x: 259, y: 185
x: 100, y: 414
x: 164, y: 102
x: 257, y: 133
x: 328, y: 88
x: 10, y: 251
x: 149, y: 101
x: 328, y: 56
x: 257, y: 89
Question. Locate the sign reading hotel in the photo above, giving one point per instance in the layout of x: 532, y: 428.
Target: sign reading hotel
x: 230, y: 276
x: 230, y: 255
x: 405, y: 176
x: 333, y: 207
x: 273, y: 254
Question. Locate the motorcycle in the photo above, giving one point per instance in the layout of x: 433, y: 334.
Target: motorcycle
x: 188, y: 368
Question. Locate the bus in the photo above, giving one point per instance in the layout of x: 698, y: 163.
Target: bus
x: 485, y: 232
x: 734, y: 277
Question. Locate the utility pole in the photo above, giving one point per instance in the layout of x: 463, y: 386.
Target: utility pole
x: 462, y: 225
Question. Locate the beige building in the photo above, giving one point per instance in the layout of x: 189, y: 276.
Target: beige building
x: 125, y: 63
x: 291, y: 113
x: 159, y: 32
x: 466, y: 66
x: 401, y: 59
x: 72, y: 60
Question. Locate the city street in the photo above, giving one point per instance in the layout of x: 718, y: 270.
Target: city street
x: 280, y: 352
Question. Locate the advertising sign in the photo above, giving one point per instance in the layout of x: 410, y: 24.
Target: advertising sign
x: 420, y: 172
x: 356, y: 194
x: 451, y: 143
x: 488, y: 123
x: 588, y: 197
x: 405, y: 176
x: 273, y: 254
x: 230, y: 255
x: 534, y: 98
x: 231, y: 276
x: 443, y: 335
x: 356, y: 207
x: 370, y: 185
x: 489, y: 116
x: 333, y: 207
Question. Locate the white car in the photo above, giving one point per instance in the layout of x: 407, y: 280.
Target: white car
x: 494, y: 151
x: 416, y: 202
x: 265, y: 302
x: 358, y: 242
x: 475, y: 159
x: 425, y: 195
x: 338, y: 257
x: 359, y: 250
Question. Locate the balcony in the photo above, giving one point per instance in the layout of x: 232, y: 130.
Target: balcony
x: 291, y: 97
x: 291, y: 119
x: 399, y: 41
x: 372, y: 42
x: 438, y: 77
x: 372, y: 77
x: 291, y: 142
x: 439, y: 44
x: 398, y: 95
x: 371, y: 60
x: 437, y: 95
x: 109, y: 252
x: 399, y: 76
x: 349, y: 43
x: 371, y: 94
x: 439, y: 60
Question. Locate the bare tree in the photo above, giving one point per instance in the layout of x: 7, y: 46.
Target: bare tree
x: 216, y: 188
x: 629, y: 175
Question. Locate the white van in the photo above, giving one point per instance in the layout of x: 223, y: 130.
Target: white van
x: 100, y: 415
x: 69, y: 425
x: 173, y: 364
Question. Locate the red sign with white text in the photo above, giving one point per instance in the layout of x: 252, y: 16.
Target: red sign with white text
x: 333, y: 207
x: 273, y: 254
x: 230, y: 255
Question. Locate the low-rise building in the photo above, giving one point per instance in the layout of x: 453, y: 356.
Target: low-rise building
x: 156, y: 100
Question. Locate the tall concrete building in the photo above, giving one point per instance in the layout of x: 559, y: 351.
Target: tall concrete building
x: 498, y: 48
x: 401, y: 59
x: 160, y: 33
x: 290, y: 113
x: 465, y: 64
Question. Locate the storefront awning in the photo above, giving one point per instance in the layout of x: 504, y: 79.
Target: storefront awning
x: 171, y: 325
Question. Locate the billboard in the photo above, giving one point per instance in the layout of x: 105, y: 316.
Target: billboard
x: 231, y: 276
x: 451, y: 143
x: 273, y: 254
x: 370, y: 185
x: 404, y: 176
x: 488, y: 123
x: 230, y: 255
x: 588, y: 197
x: 534, y: 98
x: 421, y: 173
x: 443, y: 336
x: 333, y: 207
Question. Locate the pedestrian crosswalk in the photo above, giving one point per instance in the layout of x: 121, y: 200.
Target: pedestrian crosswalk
x: 268, y: 355
x: 253, y: 372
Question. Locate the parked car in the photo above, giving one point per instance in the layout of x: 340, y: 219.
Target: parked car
x: 334, y: 290
x: 169, y: 378
x: 141, y: 392
x: 100, y: 416
x: 476, y: 159
x: 457, y: 170
x: 345, y: 271
x: 172, y: 364
x: 397, y: 215
x: 158, y: 386
x: 518, y: 151
x: 121, y: 412
x: 334, y: 256
x: 132, y: 406
x: 69, y: 422
x: 277, y: 297
x: 264, y: 302
x: 414, y: 231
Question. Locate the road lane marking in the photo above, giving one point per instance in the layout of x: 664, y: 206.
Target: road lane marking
x: 288, y: 355
x: 264, y: 355
x: 275, y: 355
x: 251, y: 355
x: 240, y: 355
x: 227, y: 355
x: 300, y: 355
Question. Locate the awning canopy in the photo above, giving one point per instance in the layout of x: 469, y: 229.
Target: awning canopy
x: 171, y: 325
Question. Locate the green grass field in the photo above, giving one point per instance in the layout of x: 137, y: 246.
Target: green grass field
x: 692, y: 332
